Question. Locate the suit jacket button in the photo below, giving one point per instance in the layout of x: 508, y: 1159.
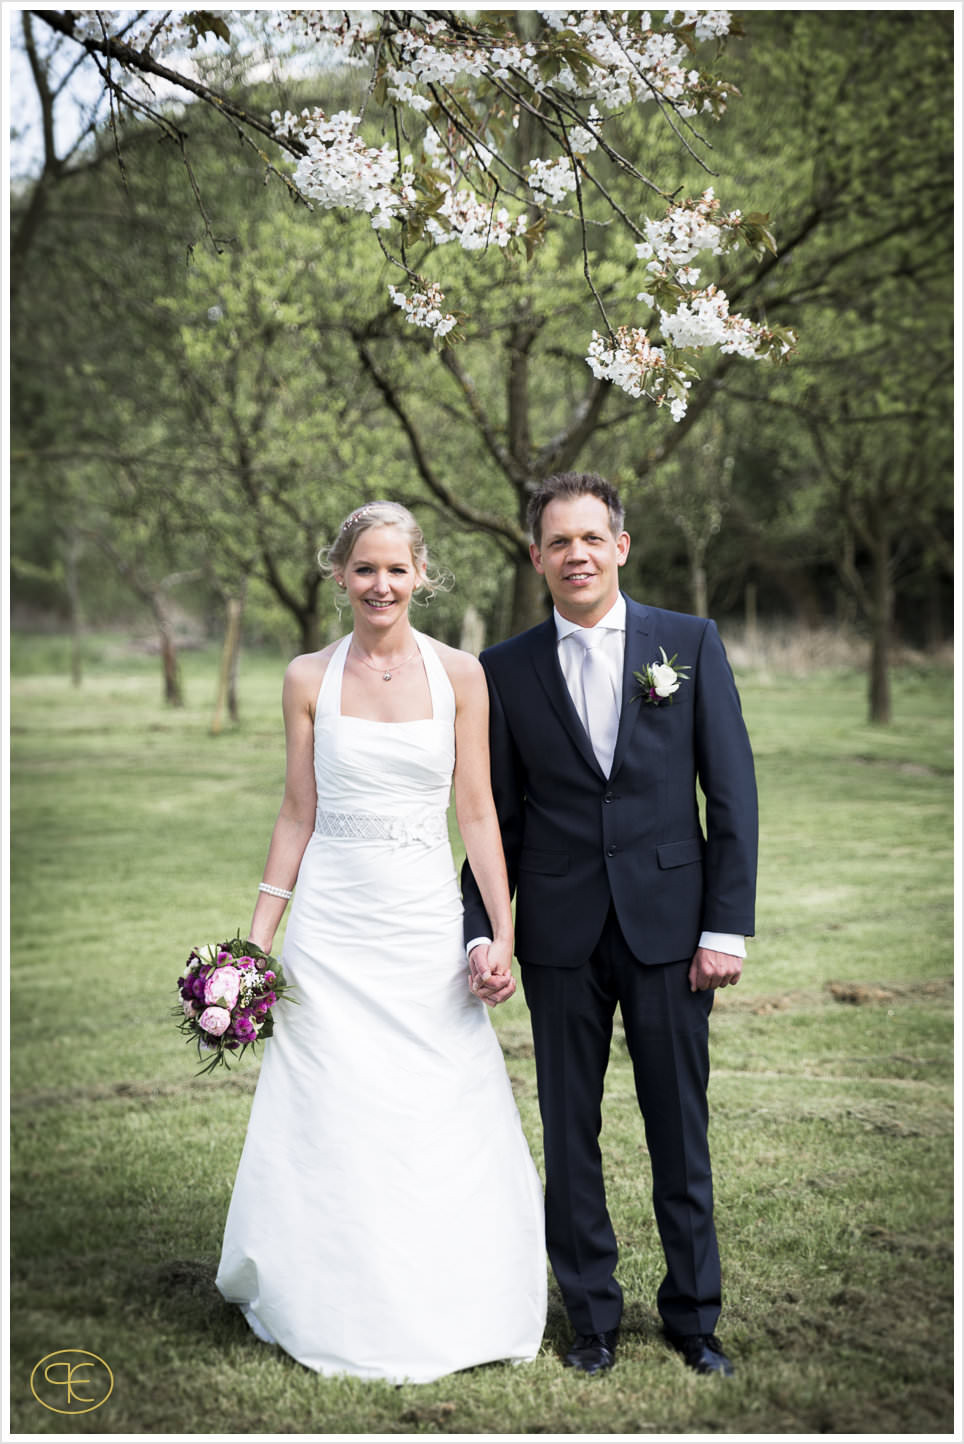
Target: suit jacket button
x: 611, y: 851
x: 608, y: 797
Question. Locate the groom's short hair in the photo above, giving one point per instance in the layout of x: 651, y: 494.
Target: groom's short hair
x: 566, y: 485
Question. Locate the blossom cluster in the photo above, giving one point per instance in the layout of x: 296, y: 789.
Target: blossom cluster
x: 689, y: 319
x: 339, y: 169
x: 623, y: 62
x: 604, y: 61
x: 708, y: 24
x: 424, y: 308
x: 154, y: 32
x: 631, y: 362
x: 617, y: 64
x: 474, y: 223
x: 692, y: 226
x: 336, y: 28
x: 161, y: 35
x: 227, y: 991
x: 704, y: 320
x: 626, y: 58
x: 631, y: 61
x: 551, y: 180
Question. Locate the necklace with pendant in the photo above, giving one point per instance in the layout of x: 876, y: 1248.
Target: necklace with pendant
x: 385, y: 671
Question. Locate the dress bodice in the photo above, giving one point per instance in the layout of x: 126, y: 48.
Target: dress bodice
x: 366, y: 768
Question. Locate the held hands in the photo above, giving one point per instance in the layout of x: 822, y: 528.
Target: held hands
x: 713, y: 970
x: 490, y: 973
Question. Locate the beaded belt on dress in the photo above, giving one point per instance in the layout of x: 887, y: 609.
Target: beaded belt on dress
x: 425, y: 827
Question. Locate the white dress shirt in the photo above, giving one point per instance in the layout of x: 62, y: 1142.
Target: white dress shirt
x: 612, y: 647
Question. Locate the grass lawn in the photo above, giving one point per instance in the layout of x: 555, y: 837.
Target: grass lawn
x: 136, y: 834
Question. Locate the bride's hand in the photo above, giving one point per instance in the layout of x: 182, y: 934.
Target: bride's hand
x: 490, y: 972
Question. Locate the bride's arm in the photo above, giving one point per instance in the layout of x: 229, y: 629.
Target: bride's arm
x: 476, y: 816
x: 296, y: 819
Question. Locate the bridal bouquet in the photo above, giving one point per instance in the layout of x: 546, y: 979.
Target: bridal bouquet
x: 227, y: 993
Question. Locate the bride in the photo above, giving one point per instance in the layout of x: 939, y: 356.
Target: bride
x: 387, y: 1218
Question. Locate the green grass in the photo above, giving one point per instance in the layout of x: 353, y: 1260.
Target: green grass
x: 135, y: 834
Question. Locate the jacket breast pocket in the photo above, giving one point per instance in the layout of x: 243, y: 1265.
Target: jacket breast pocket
x: 677, y: 854
x: 552, y: 864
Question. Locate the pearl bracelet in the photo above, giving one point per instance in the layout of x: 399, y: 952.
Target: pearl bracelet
x: 275, y: 891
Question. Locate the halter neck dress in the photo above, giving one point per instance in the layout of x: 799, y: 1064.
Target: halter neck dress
x: 384, y: 1138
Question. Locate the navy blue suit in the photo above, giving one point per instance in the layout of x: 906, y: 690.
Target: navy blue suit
x: 615, y: 879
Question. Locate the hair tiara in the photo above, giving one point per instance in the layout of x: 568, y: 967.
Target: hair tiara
x: 358, y: 516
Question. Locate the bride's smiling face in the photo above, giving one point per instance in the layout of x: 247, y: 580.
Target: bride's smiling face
x: 380, y: 576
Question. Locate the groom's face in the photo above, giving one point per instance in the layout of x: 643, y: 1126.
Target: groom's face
x: 580, y: 558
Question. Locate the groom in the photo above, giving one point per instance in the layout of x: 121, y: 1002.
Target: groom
x: 620, y: 898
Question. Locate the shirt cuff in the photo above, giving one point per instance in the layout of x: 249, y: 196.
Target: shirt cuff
x: 475, y: 943
x: 732, y: 943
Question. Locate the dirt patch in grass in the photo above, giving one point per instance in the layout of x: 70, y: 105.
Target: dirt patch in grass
x: 858, y: 994
x: 861, y: 994
x: 122, y: 1091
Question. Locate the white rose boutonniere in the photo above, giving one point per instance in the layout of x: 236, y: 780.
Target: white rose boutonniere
x: 660, y: 680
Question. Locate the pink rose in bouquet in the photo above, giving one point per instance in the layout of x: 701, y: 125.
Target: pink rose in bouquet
x: 222, y: 987
x: 215, y: 1021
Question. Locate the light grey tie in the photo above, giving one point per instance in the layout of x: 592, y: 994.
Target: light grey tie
x: 599, y: 710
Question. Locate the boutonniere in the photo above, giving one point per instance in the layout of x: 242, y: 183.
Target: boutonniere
x: 660, y: 680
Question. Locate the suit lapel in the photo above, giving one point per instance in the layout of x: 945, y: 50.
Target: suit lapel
x: 545, y: 661
x: 638, y: 646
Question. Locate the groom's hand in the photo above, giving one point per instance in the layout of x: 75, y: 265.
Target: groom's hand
x: 713, y: 970
x: 490, y: 974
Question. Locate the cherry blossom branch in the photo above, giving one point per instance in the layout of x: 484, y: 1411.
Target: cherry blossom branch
x: 141, y: 61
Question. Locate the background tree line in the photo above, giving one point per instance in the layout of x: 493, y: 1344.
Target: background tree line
x: 206, y: 377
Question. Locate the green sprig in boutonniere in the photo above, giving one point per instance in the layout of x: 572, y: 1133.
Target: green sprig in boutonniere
x: 660, y: 680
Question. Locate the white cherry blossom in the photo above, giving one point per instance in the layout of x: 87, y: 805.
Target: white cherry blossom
x: 424, y: 308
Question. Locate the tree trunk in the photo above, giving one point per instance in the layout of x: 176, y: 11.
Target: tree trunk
x: 847, y: 607
x: 880, y: 675
x: 170, y: 665
x: 934, y: 623
x: 882, y: 611
x: 310, y: 629
x: 472, y: 638
x: 529, y: 604
x: 227, y: 679
x: 234, y: 706
x: 72, y: 556
x: 698, y: 586
x: 751, y: 621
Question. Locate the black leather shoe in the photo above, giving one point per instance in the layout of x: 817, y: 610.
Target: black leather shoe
x: 592, y: 1353
x: 702, y: 1352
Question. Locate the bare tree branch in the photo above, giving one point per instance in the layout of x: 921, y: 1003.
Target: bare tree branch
x: 485, y: 521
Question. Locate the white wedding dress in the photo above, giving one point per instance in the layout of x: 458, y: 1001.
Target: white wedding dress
x: 387, y: 1218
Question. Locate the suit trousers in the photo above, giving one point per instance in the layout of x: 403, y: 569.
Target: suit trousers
x: 667, y: 1034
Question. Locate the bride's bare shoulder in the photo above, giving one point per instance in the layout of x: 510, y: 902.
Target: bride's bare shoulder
x: 463, y: 668
x: 304, y: 673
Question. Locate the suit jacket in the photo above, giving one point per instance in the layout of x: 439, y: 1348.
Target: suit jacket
x: 576, y: 841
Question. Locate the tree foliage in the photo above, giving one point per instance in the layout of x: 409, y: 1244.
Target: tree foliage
x: 452, y: 90
x: 230, y: 371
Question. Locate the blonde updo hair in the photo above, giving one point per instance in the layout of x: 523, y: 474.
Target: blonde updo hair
x: 384, y: 513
